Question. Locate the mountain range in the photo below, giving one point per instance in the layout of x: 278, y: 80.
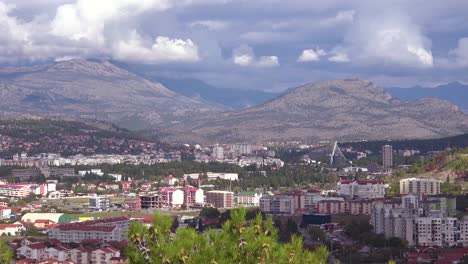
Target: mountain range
x: 454, y: 92
x: 340, y: 109
x: 334, y: 110
x: 93, y: 89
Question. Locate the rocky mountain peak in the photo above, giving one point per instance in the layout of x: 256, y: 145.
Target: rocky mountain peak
x: 89, y: 67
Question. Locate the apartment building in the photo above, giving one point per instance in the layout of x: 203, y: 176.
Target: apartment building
x: 147, y: 201
x: 277, y: 204
x: 248, y: 198
x: 220, y: 199
x: 412, y: 222
x: 171, y: 197
x: 354, y: 207
x: 361, y: 189
x: 109, y: 229
x: 420, y: 186
x: 387, y: 156
x: 99, y: 203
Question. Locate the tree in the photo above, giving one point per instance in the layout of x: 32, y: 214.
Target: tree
x: 209, y: 212
x: 237, y: 242
x: 5, y: 253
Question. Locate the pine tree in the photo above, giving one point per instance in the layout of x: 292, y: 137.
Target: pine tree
x: 237, y: 242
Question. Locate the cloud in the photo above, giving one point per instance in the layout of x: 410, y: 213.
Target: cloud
x: 311, y: 55
x: 163, y: 50
x: 343, y: 17
x: 213, y: 25
x: 87, y: 19
x: 88, y: 29
x: 268, y: 61
x: 461, y: 52
x: 390, y: 38
x: 339, y: 57
x: 244, y: 56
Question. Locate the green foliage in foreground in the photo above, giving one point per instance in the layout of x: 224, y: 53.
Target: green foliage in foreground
x: 5, y: 253
x: 237, y: 242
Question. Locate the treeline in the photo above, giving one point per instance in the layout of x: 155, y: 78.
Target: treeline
x: 250, y: 177
x: 424, y: 145
x: 34, y: 129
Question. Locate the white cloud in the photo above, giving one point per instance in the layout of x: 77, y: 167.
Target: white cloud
x: 268, y: 61
x: 87, y: 19
x: 90, y: 28
x: 461, y: 52
x: 213, y: 25
x: 339, y: 57
x: 390, y: 38
x: 163, y: 50
x: 343, y: 17
x: 311, y: 55
x: 244, y: 56
x: 243, y: 59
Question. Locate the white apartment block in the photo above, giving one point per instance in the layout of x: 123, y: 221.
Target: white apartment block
x: 248, y: 198
x: 361, y: 189
x: 419, y: 227
x: 420, y: 186
x: 99, y: 203
x: 218, y: 153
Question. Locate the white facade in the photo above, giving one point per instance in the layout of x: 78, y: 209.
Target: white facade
x: 11, y: 229
x: 420, y: 186
x: 248, y: 198
x: 361, y: 189
x: 99, y: 203
x: 5, y: 213
x: 177, y: 198
x: 218, y: 153
x: 214, y: 176
x: 417, y: 226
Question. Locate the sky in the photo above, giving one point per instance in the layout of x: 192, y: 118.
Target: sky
x: 247, y: 44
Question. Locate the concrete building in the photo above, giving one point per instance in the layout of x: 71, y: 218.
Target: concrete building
x: 34, y: 251
x: 247, y: 198
x: 148, y: 201
x: 213, y: 176
x: 420, y: 186
x: 108, y: 229
x: 192, y: 196
x: 354, y: 207
x: 361, y: 189
x: 412, y: 222
x: 99, y: 203
x: 277, y: 204
x: 220, y: 199
x: 218, y: 153
x: 387, y: 156
x: 11, y: 229
x: 171, y: 197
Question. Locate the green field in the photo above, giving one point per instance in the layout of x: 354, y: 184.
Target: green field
x: 131, y: 214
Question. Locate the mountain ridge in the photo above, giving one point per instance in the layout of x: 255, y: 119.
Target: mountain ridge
x: 455, y: 92
x: 94, y: 90
x: 335, y: 110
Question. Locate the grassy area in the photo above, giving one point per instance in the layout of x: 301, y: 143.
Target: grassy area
x: 132, y: 214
